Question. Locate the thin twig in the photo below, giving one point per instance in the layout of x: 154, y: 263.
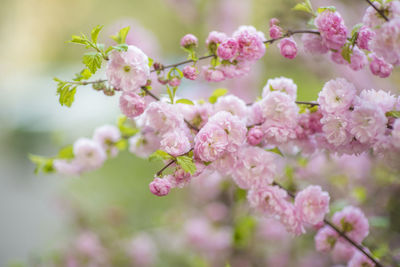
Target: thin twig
x: 165, y: 167
x: 380, y: 11
x: 307, y: 103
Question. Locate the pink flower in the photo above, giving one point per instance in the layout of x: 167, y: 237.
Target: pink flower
x: 162, y: 117
x: 364, y: 36
x: 175, y: 142
x: 288, y: 48
x: 160, y: 186
x: 211, y: 142
x: 282, y: 84
x: 233, y: 104
x: 396, y: 133
x: 278, y: 132
x: 343, y: 251
x: 180, y: 178
x: 128, y: 70
x: 142, y: 250
x: 227, y: 49
x: 279, y: 107
x: 189, y: 40
x: 313, y: 44
x: 215, y: 37
x: 66, y: 167
x: 232, y: 71
x: 353, y: 222
x: 190, y: 72
x: 335, y: 129
x: 255, y: 136
x: 89, y: 153
x: 143, y: 144
x: 107, y: 136
x: 312, y: 204
x: 275, y: 32
x: 224, y: 165
x: 360, y: 260
x: 213, y: 75
x: 338, y: 58
x: 325, y: 239
x: 234, y: 128
x: 380, y: 99
x: 251, y: 46
x: 255, y: 167
x: 380, y: 67
x: 332, y: 29
x: 131, y: 104
x: 88, y: 243
x: 367, y: 122
x: 336, y: 96
x: 358, y: 59
x: 273, y: 21
x: 373, y: 20
x: 386, y: 43
x: 174, y: 82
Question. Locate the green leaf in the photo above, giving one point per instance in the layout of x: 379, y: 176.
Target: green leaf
x: 66, y: 152
x: 151, y: 61
x: 346, y: 52
x: 125, y: 128
x: 159, y: 155
x: 185, y: 101
x: 276, y: 151
x: 42, y: 163
x: 121, y: 47
x: 330, y: 8
x: 79, y: 40
x: 216, y: 94
x: 187, y: 164
x: 359, y: 193
x: 393, y: 113
x: 122, y: 144
x: 356, y: 28
x: 121, y: 35
x: 92, y: 60
x: 95, y: 33
x: 305, y: 6
x: 66, y: 92
x: 243, y: 231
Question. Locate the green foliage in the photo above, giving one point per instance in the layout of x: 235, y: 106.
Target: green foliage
x: 171, y: 93
x: 216, y: 94
x: 322, y: 9
x: 160, y: 155
x: 185, y: 101
x: 66, y: 92
x: 120, y: 47
x: 92, y: 60
x: 66, y: 152
x: 356, y: 28
x: 305, y: 6
x: 43, y: 164
x: 121, y: 35
x: 186, y: 163
x: 346, y: 52
x: 95, y: 33
x: 243, y: 231
x: 84, y: 74
x: 359, y: 193
x: 275, y: 150
x: 127, y: 130
x: 393, y: 113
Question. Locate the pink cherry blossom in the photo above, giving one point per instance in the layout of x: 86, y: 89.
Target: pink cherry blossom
x: 128, y: 70
x: 251, y: 46
x: 143, y: 144
x: 335, y: 128
x: 380, y: 67
x: 282, y: 84
x: 190, y: 72
x: 232, y: 104
x: 107, y: 136
x: 313, y: 44
x: 353, y: 222
x: 227, y: 49
x: 360, y: 260
x: 255, y: 136
x: 131, y: 104
x: 175, y: 142
x: 333, y: 31
x: 312, y: 204
x: 275, y: 32
x: 211, y: 142
x: 364, y: 36
x: 325, y: 239
x: 358, y: 59
x: 213, y: 75
x: 160, y: 186
x: 279, y: 107
x: 215, y: 37
x: 386, y: 43
x: 288, y: 48
x: 189, y: 40
x: 336, y: 95
x: 89, y: 153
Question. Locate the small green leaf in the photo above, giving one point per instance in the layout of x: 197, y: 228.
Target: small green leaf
x: 216, y: 94
x: 122, y: 144
x: 121, y: 35
x: 159, y: 155
x: 187, y: 164
x: 42, y: 163
x: 66, y: 152
x: 393, y: 113
x: 151, y: 61
x: 126, y: 129
x: 356, y: 28
x: 346, y: 52
x: 275, y: 150
x: 92, y: 60
x: 95, y: 33
x: 305, y: 6
x: 121, y: 47
x: 185, y: 101
x: 66, y: 92
x: 330, y: 8
x: 78, y: 40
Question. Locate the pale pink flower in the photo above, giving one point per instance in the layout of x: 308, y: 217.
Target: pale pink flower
x: 131, y: 104
x: 213, y: 75
x: 336, y: 95
x: 380, y: 67
x: 338, y: 58
x: 281, y: 84
x: 232, y: 71
x: 312, y: 204
x: 353, y: 222
x: 386, y: 43
x: 128, y: 70
x: 277, y: 133
x: 143, y: 144
x: 381, y: 99
x: 107, y: 136
x: 279, y: 107
x: 174, y: 82
x: 255, y: 167
x: 373, y: 20
x: 325, y: 239
x: 190, y: 72
x: 228, y: 49
x: 364, y: 36
x: 367, y: 122
x: 313, y: 44
x: 233, y: 104
x: 175, y: 142
x: 211, y: 142
x: 358, y: 59
x: 162, y: 117
x: 142, y: 250
x: 160, y: 186
x: 180, y: 178
x: 288, y: 48
x: 234, y: 127
x: 360, y: 260
x: 189, y: 40
x: 343, y: 251
x: 275, y: 32
x: 335, y: 129
x: 67, y: 167
x: 251, y: 46
x: 88, y: 243
x: 273, y: 21
x: 89, y: 153
x: 255, y: 136
x: 215, y: 37
x: 332, y: 29
x: 225, y: 163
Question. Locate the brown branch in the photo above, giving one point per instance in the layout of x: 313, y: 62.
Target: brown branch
x: 380, y: 11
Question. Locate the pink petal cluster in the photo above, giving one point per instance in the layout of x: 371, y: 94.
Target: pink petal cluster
x: 107, y: 136
x: 386, y: 43
x: 313, y: 43
x: 189, y: 40
x: 160, y: 186
x: 131, y: 104
x: 325, y: 239
x: 254, y: 136
x: 275, y: 32
x: 190, y: 72
x: 353, y: 222
x: 364, y: 37
x: 282, y: 84
x: 228, y: 49
x: 89, y: 154
x: 336, y: 96
x: 251, y: 43
x: 380, y: 67
x: 128, y: 70
x: 210, y: 143
x: 360, y: 260
x: 332, y: 29
x: 175, y: 142
x: 288, y: 48
x: 312, y: 204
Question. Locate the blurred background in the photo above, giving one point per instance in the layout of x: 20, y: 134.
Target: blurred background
x: 41, y: 216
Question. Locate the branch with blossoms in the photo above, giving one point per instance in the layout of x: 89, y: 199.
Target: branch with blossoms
x: 243, y: 141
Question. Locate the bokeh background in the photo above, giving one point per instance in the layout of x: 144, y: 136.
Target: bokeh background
x: 39, y: 214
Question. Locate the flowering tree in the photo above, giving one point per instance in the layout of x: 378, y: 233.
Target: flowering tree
x: 249, y: 142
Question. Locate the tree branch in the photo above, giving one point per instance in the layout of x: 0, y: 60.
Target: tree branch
x: 380, y: 11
